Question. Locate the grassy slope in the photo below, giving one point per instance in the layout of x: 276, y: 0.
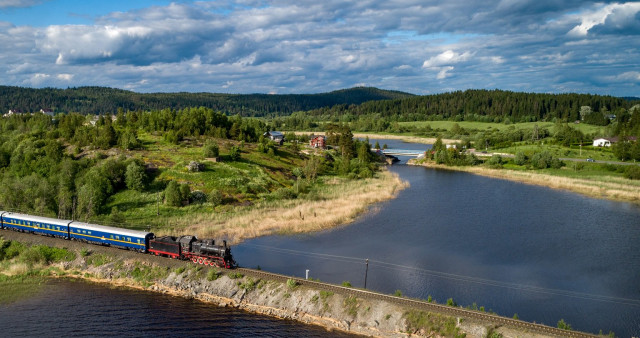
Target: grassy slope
x: 248, y: 209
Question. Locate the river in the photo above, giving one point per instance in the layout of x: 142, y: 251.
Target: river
x: 512, y: 248
x: 64, y: 308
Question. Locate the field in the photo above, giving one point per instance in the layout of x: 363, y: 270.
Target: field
x: 447, y: 125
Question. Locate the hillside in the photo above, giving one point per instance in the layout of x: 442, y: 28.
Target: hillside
x: 97, y: 100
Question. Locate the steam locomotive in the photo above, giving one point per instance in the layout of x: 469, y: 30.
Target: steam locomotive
x: 203, y: 251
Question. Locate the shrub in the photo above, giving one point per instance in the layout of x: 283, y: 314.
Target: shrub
x: 495, y: 161
x: 520, y: 158
x: 211, y: 149
x: 398, y: 293
x: 564, y: 325
x: 292, y: 283
x: 346, y: 284
x: 198, y: 197
x: 135, y: 177
x: 213, y: 275
x: 215, y: 197
x: 235, y: 275
x: 172, y: 194
x: 632, y: 172
x: 450, y: 302
x: 234, y: 153
x: 284, y: 194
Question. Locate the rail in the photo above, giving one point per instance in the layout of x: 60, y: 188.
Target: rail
x: 423, y: 305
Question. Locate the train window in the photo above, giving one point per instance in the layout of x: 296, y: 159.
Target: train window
x: 89, y: 232
x: 128, y: 239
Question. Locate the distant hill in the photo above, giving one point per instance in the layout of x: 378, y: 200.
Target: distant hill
x: 631, y: 98
x: 97, y: 100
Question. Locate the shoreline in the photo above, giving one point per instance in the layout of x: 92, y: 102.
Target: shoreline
x: 613, y: 190
x: 339, y: 203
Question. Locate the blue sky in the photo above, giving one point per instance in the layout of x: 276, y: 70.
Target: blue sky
x: 285, y: 46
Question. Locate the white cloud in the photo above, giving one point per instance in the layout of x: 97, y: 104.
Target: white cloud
x: 618, y: 12
x: 289, y: 46
x: 65, y: 77
x: 444, y: 72
x: 447, y: 57
x: 19, y: 3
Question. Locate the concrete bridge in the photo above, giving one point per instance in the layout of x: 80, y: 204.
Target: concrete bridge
x: 400, y: 152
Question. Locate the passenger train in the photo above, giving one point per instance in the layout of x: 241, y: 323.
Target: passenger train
x: 185, y: 247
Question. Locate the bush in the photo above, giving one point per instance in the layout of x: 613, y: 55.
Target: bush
x: 213, y: 275
x: 564, y: 325
x: 234, y: 153
x: 135, y: 177
x: 520, y: 158
x: 398, y: 293
x: 632, y: 172
x: 292, y: 283
x: 215, y: 197
x: 495, y: 161
x: 346, y: 284
x: 198, y: 197
x: 284, y: 194
x: 172, y: 195
x: 211, y: 149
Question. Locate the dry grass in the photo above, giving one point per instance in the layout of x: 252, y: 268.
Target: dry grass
x: 607, y: 187
x: 17, y: 269
x: 339, y: 202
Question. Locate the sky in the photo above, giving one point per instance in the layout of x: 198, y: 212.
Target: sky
x: 301, y: 46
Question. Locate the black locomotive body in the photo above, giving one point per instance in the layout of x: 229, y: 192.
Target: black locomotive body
x: 203, y: 251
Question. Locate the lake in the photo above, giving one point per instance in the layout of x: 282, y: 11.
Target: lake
x: 512, y: 248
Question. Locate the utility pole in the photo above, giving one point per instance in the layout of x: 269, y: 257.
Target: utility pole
x: 158, y: 203
x: 365, y: 273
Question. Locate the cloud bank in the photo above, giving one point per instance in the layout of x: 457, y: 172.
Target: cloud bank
x: 304, y: 47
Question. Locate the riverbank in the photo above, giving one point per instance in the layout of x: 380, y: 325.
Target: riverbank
x: 606, y: 187
x: 338, y: 202
x: 332, y: 307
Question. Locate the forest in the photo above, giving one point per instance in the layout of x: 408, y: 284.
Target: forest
x: 102, y: 100
x: 71, y: 168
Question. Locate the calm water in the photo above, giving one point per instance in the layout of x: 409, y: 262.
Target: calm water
x: 512, y: 248
x: 77, y: 309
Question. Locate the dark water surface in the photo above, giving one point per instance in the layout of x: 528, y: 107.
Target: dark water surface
x: 513, y: 248
x: 78, y: 309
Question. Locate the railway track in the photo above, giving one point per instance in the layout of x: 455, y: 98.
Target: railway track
x: 422, y: 305
x: 405, y: 302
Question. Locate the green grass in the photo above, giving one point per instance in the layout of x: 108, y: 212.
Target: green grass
x: 242, y: 181
x: 431, y: 322
x: 447, y: 125
x: 587, y: 151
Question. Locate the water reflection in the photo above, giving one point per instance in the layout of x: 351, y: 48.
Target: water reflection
x: 513, y: 248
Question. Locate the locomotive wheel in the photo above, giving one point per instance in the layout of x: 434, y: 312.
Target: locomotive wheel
x: 200, y: 260
x: 212, y: 263
x: 194, y: 259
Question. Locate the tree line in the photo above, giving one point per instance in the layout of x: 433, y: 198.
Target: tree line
x: 101, y: 100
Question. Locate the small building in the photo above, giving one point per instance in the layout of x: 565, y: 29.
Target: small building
x: 602, y: 142
x: 47, y: 111
x: 275, y: 136
x: 318, y: 142
x: 13, y: 112
x: 608, y: 141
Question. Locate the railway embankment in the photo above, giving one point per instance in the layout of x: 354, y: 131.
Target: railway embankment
x: 312, y: 302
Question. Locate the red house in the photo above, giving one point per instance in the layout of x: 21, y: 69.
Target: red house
x: 317, y: 142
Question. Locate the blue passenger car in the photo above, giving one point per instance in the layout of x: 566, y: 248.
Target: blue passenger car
x: 100, y: 234
x: 36, y: 224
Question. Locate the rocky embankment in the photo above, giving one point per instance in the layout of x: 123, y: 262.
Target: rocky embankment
x: 333, y: 308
